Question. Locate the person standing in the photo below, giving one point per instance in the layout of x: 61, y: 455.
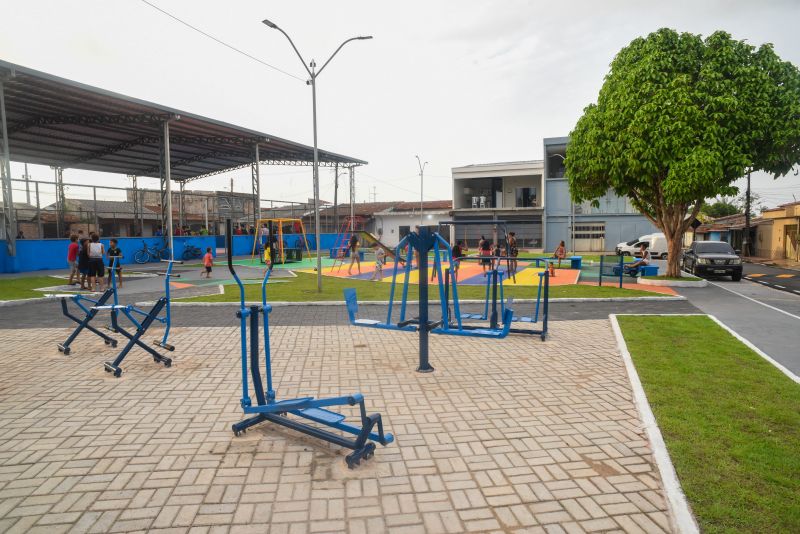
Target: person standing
x: 72, y: 259
x: 354, y: 257
x: 380, y: 259
x: 208, y: 263
x: 96, y: 269
x: 83, y: 262
x: 114, y: 252
x: 485, y: 250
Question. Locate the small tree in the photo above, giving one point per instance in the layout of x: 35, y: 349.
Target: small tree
x: 721, y: 207
x: 678, y: 119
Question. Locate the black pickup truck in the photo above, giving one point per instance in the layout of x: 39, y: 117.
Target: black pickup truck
x: 712, y: 258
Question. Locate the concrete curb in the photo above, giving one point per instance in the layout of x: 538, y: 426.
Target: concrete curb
x: 680, y: 513
x: 673, y: 283
x: 386, y: 302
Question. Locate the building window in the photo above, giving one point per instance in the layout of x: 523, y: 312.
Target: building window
x: 525, y: 197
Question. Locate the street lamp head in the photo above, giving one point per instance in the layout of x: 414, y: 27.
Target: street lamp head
x: 269, y: 23
x: 364, y: 37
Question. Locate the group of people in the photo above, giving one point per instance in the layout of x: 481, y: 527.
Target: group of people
x: 86, y: 255
x: 493, y: 253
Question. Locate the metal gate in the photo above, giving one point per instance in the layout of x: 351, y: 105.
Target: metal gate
x: 590, y: 237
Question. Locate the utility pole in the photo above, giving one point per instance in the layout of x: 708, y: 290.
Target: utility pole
x: 746, y: 240
x: 336, y: 195
x: 421, y: 175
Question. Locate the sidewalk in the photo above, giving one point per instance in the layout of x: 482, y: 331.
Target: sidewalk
x: 782, y: 263
x: 503, y: 436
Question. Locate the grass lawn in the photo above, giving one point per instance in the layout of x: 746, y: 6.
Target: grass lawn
x: 731, y: 422
x: 23, y: 288
x: 304, y: 288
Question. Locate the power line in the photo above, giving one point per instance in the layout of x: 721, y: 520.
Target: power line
x: 223, y: 43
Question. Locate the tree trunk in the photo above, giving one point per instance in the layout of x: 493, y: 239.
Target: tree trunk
x: 674, y: 247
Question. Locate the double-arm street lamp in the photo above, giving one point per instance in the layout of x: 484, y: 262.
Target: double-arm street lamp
x: 312, y: 71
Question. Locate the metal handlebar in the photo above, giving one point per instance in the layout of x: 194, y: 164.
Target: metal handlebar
x: 171, y: 261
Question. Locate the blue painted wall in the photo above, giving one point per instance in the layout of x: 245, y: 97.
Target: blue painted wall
x: 49, y: 254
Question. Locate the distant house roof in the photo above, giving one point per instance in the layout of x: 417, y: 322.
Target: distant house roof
x: 427, y: 205
x: 107, y: 209
x: 368, y: 209
x: 23, y: 210
x: 729, y: 222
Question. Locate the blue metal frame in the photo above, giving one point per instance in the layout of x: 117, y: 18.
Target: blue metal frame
x: 423, y: 241
x: 309, y: 408
x: 615, y: 269
x: 167, y: 319
x: 90, y: 313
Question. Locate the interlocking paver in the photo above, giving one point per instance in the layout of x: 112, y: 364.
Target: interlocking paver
x: 506, y: 435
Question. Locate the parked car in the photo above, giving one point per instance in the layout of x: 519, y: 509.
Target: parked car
x: 712, y: 258
x: 656, y: 244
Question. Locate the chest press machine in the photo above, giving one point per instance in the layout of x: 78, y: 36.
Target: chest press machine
x: 293, y: 413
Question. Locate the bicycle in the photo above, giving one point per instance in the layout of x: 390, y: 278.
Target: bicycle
x: 191, y: 252
x: 148, y: 254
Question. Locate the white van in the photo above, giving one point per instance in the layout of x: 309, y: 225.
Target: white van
x: 656, y: 244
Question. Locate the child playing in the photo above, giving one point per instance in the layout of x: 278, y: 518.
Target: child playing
x: 72, y: 259
x: 380, y: 259
x: 114, y: 252
x: 208, y: 262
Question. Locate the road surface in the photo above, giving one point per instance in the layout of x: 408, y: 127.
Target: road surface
x: 768, y: 318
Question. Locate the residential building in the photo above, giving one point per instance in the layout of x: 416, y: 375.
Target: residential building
x: 583, y: 227
x: 107, y: 217
x: 777, y: 233
x: 25, y: 216
x: 512, y: 192
x: 395, y: 222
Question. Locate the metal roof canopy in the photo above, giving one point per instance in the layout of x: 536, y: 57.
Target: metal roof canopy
x: 58, y: 122
x: 53, y: 121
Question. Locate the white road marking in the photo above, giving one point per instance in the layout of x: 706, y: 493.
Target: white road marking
x: 780, y: 287
x: 756, y: 301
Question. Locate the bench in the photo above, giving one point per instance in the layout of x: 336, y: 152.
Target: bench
x: 575, y: 262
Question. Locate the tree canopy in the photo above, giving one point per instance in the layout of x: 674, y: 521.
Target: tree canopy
x: 678, y: 119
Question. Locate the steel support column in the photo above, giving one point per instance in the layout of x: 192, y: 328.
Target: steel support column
x: 61, y: 204
x: 256, y: 183
x: 9, y: 222
x: 166, y: 188
x: 135, y: 198
x: 181, y: 218
x: 352, y: 193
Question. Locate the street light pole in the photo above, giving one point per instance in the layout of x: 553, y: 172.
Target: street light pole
x: 421, y: 173
x: 313, y: 73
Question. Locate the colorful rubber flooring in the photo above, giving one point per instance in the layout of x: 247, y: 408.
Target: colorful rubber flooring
x: 470, y: 274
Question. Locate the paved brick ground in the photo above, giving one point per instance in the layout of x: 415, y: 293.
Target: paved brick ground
x: 507, y: 436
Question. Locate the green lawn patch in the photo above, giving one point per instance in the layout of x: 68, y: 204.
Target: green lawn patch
x: 23, y: 287
x: 731, y: 422
x: 304, y: 288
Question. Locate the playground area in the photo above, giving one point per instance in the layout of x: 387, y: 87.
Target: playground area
x: 540, y: 435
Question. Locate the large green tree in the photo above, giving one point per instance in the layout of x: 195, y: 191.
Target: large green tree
x: 678, y: 119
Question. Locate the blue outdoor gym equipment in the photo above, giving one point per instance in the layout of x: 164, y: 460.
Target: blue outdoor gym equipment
x: 423, y: 241
x: 494, y: 278
x: 611, y: 266
x: 146, y: 319
x: 90, y: 313
x: 308, y: 408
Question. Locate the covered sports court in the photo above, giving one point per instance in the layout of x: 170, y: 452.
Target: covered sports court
x: 48, y: 120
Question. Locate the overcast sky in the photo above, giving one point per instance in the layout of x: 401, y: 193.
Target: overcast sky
x: 456, y: 82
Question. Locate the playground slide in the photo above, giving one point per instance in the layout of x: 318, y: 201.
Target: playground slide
x: 370, y: 239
